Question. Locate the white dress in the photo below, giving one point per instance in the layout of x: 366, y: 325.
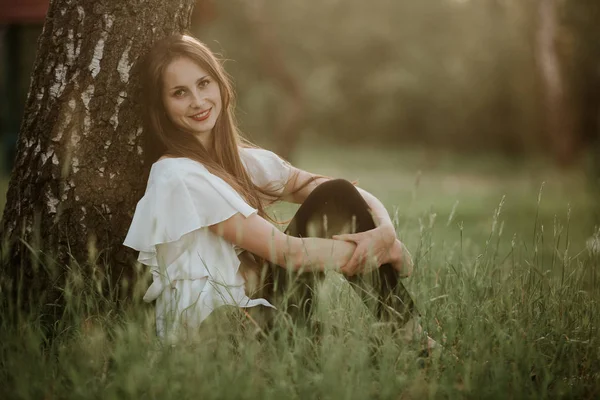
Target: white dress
x: 195, y: 271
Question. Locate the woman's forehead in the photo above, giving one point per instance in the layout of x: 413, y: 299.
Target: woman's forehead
x: 183, y: 71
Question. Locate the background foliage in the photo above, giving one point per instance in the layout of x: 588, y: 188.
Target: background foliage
x: 444, y: 73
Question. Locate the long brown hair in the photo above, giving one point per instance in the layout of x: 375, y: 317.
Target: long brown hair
x: 162, y: 137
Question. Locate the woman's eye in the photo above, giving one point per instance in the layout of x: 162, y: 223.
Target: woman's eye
x: 179, y: 93
x: 203, y: 83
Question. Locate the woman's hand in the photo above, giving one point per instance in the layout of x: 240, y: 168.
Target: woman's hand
x: 373, y: 248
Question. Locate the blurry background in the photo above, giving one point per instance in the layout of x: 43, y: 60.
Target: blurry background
x: 451, y: 74
x: 437, y: 106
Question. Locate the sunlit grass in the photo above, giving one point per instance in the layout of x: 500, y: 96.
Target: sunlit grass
x: 505, y: 277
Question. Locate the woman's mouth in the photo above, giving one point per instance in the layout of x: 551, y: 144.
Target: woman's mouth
x: 201, y: 116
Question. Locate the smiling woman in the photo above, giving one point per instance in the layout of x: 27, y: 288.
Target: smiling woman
x: 204, y: 210
x: 192, y: 99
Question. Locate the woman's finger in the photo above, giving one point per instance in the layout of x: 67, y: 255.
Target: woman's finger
x: 351, y: 265
x: 355, y: 261
x: 358, y: 259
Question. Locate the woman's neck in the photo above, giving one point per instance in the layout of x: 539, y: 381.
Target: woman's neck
x: 206, y: 138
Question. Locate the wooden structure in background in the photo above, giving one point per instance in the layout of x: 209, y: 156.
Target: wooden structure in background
x: 21, y: 23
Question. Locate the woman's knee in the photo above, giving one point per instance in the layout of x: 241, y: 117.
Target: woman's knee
x: 339, y: 183
x: 338, y: 187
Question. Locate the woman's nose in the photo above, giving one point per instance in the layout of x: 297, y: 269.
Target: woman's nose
x: 197, y: 99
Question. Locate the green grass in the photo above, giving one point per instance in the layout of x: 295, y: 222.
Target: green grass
x: 503, y: 277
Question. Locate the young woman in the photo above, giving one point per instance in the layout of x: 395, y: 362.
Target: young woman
x: 204, y: 209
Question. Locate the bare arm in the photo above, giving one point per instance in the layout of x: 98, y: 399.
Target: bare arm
x: 258, y: 236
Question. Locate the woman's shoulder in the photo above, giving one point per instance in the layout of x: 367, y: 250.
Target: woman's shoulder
x: 167, y: 167
x: 168, y: 173
x: 266, y: 169
x: 168, y: 161
x: 255, y: 152
x: 261, y: 158
x: 178, y: 177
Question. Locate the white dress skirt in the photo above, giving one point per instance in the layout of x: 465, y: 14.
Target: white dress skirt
x: 195, y: 271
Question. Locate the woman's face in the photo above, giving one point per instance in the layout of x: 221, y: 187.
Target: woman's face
x: 192, y: 98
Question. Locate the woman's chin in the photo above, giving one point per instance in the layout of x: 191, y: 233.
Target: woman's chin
x: 201, y: 127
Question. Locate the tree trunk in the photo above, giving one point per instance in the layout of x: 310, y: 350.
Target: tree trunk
x: 78, y: 168
x: 557, y: 118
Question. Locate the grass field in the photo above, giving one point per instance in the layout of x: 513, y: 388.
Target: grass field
x: 506, y: 277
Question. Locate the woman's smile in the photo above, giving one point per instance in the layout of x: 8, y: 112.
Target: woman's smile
x: 201, y: 116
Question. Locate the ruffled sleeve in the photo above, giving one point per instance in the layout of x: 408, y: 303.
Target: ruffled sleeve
x: 266, y: 169
x: 181, y: 197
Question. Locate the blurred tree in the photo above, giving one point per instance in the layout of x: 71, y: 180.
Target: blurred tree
x: 78, y: 166
x: 581, y: 52
x: 205, y: 12
x: 557, y: 115
x: 288, y: 129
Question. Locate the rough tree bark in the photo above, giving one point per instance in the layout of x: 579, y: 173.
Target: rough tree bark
x: 78, y: 167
